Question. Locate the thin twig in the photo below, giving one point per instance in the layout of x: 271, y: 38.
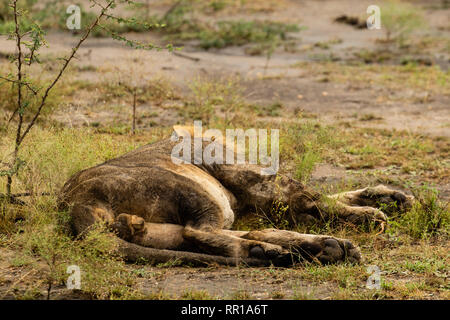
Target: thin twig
x: 19, y: 96
x: 133, y: 130
x: 29, y: 194
x: 26, y: 84
x: 181, y: 55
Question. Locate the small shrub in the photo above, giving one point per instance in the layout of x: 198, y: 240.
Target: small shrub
x: 241, y: 295
x: 43, y: 238
x: 277, y: 217
x: 52, y: 15
x: 237, y: 33
x: 400, y: 19
x: 427, y: 218
x: 306, y: 163
x: 211, y: 97
x: 306, y: 144
x: 180, y: 23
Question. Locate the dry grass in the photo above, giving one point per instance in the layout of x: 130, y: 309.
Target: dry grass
x: 423, y: 263
x: 233, y: 6
x: 412, y: 255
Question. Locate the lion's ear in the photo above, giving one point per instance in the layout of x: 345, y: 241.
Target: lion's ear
x: 181, y: 130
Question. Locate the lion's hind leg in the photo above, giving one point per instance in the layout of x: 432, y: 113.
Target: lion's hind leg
x: 208, y: 240
x: 325, y: 249
x: 225, y: 243
x: 134, y: 229
x: 159, y: 242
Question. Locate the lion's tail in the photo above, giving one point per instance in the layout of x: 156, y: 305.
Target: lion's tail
x: 135, y: 253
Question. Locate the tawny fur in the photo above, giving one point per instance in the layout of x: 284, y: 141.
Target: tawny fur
x: 163, y: 211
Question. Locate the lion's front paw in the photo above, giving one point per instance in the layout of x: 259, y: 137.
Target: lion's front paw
x: 388, y: 199
x: 366, y: 216
x: 127, y: 225
x: 307, y: 247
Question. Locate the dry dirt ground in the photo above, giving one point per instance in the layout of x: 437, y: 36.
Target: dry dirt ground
x: 290, y: 79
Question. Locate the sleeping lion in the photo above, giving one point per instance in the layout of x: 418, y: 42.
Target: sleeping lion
x: 163, y: 211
